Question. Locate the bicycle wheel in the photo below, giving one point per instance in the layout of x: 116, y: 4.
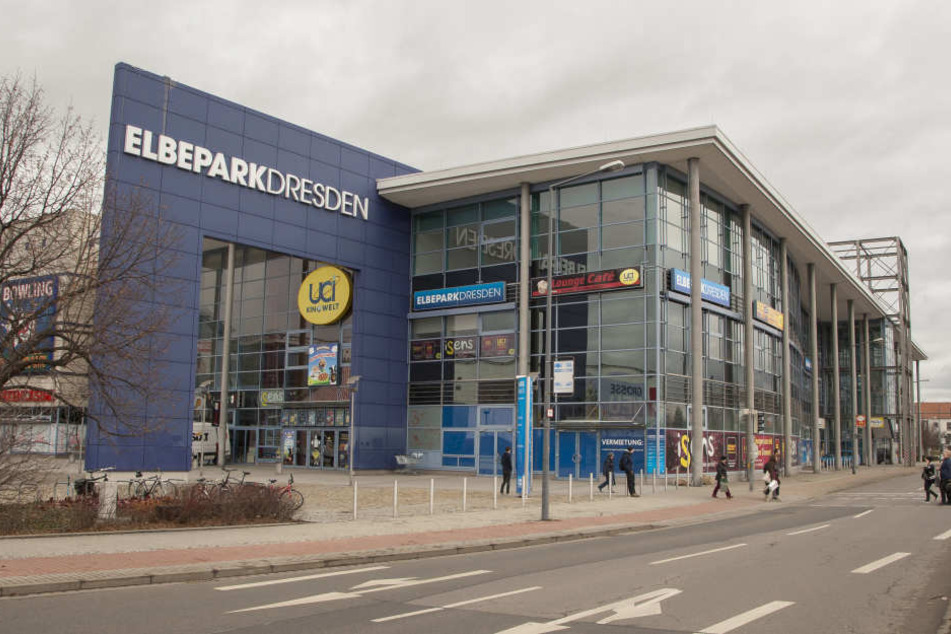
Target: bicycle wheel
x: 141, y: 490
x: 133, y: 489
x: 293, y: 498
x: 171, y: 488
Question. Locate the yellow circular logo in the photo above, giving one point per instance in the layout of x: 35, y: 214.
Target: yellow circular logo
x: 324, y: 297
x: 629, y: 277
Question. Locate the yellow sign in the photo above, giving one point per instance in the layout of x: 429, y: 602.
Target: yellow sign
x: 630, y: 276
x: 325, y: 296
x: 768, y: 315
x: 878, y: 422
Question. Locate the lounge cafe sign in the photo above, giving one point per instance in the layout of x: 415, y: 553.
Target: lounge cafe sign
x: 589, y: 282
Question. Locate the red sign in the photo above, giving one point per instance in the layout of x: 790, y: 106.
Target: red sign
x: 592, y: 281
x: 25, y: 395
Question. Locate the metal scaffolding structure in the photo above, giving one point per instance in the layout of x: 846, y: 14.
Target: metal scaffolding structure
x: 882, y: 265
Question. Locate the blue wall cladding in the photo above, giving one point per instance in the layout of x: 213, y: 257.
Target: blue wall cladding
x: 276, y: 186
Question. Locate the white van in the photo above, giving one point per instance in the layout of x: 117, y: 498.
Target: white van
x: 205, y: 443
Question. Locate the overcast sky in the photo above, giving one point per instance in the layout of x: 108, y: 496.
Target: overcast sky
x: 843, y: 106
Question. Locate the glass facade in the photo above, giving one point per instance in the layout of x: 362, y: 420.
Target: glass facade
x: 274, y: 413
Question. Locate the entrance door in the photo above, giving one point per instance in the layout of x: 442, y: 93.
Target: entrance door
x: 492, y: 445
x: 577, y: 454
x: 330, y: 450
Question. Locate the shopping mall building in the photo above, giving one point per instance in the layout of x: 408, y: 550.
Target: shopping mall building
x: 432, y: 288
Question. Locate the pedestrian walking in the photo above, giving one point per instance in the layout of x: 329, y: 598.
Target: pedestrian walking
x: 772, y: 470
x: 944, y: 475
x: 722, y: 482
x: 506, y: 471
x: 928, y: 475
x: 627, y: 466
x: 608, y: 470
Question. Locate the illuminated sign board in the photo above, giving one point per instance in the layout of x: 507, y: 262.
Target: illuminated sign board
x: 191, y: 157
x: 28, y: 321
x: 589, y: 282
x: 679, y: 281
x: 492, y: 293
x: 767, y: 315
x: 324, y: 296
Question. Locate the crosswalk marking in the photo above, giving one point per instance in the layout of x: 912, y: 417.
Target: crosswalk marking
x: 881, y: 563
x: 747, y: 617
x: 455, y: 605
x: 335, y: 596
x: 274, y: 582
x: 706, y: 552
x: 809, y: 530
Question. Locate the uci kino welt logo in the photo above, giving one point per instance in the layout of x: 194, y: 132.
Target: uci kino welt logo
x: 324, y: 297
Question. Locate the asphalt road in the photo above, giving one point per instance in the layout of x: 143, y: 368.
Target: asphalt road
x: 871, y: 560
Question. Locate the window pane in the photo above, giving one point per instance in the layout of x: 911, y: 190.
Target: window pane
x: 462, y: 215
x: 578, y: 195
x: 462, y: 259
x: 428, y: 221
x: 622, y: 187
x: 626, y: 235
x: 428, y: 327
x: 498, y: 230
x: 429, y: 241
x: 621, y: 337
x: 461, y: 325
x: 500, y: 321
x: 579, y: 217
x: 629, y: 309
x: 499, y: 209
x: 579, y: 241
x: 621, y: 258
x: 623, y: 210
x: 427, y: 263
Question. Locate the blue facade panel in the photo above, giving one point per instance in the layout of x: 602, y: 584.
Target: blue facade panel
x: 158, y: 435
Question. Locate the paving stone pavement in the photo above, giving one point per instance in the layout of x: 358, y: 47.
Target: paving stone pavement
x: 35, y: 564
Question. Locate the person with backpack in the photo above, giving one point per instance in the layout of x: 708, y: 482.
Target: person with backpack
x: 627, y: 466
x: 608, y: 470
x: 722, y: 482
x: 928, y: 475
x: 944, y: 476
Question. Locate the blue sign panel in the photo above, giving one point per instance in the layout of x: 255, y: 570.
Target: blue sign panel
x: 709, y: 291
x: 656, y: 446
x: 492, y: 293
x: 523, y: 435
x: 27, y: 321
x: 617, y: 441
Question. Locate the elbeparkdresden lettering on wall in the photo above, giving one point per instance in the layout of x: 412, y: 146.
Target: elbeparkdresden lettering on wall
x: 195, y: 158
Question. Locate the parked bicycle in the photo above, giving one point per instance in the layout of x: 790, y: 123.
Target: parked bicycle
x: 86, y: 488
x: 287, y: 494
x: 151, y: 487
x: 205, y: 489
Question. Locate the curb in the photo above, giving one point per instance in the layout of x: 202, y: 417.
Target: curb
x: 114, y: 579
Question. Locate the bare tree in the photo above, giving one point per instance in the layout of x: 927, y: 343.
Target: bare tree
x: 78, y: 266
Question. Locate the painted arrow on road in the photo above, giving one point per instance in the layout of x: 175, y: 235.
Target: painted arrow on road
x: 643, y: 605
x: 380, y: 584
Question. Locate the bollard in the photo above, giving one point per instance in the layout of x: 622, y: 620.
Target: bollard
x: 396, y: 486
x: 654, y: 480
x: 677, y: 479
x: 432, y: 494
x: 464, y: 488
x: 666, y: 481
x: 569, y: 488
x: 108, y: 500
x: 591, y: 487
x: 642, y: 482
x: 610, y: 485
x: 354, y: 499
x: 495, y: 492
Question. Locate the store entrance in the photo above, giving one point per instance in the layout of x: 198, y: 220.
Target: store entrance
x: 316, y: 448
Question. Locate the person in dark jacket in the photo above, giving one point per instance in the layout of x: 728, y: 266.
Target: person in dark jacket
x: 506, y: 471
x: 627, y: 466
x: 944, y: 476
x: 608, y: 470
x: 772, y: 468
x: 928, y: 476
x: 722, y: 482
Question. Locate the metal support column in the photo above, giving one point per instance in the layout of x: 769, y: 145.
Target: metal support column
x: 853, y: 378
x: 814, y: 353
x: 787, y: 379
x: 836, y: 379
x: 223, y: 439
x: 696, y: 325
x: 867, y: 392
x: 524, y: 271
x: 749, y: 344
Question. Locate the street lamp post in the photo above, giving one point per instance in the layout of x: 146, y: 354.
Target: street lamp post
x: 553, y: 209
x: 351, y: 450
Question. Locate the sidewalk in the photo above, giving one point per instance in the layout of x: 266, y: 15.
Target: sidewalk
x: 30, y: 565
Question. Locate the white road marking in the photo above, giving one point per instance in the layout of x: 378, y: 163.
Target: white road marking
x: 881, y: 563
x: 747, y: 617
x: 334, y: 596
x: 943, y: 535
x: 863, y: 513
x: 455, y: 605
x: 643, y: 605
x: 809, y: 530
x: 274, y: 582
x: 706, y: 552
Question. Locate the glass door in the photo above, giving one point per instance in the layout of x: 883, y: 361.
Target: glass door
x: 492, y: 445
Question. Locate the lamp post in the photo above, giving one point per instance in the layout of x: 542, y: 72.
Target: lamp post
x: 351, y: 451
x: 553, y: 210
